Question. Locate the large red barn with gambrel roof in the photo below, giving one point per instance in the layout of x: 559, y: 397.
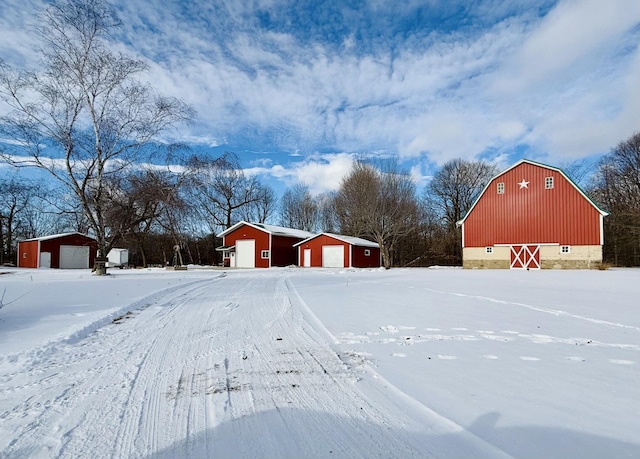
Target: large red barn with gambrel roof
x: 532, y: 216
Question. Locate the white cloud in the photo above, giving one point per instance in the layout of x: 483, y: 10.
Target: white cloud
x: 320, y: 172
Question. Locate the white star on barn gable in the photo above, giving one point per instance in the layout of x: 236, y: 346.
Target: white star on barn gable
x: 524, y: 184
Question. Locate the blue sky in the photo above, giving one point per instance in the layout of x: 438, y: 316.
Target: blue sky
x: 298, y: 89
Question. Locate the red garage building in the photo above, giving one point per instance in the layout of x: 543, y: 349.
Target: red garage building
x: 258, y: 245
x: 336, y: 251
x: 65, y: 251
x: 532, y: 216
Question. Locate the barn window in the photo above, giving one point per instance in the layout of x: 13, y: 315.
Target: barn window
x: 548, y: 183
x: 265, y: 254
x: 565, y: 249
x: 225, y: 254
x: 489, y: 249
x: 24, y: 255
x: 501, y: 188
x: 367, y: 252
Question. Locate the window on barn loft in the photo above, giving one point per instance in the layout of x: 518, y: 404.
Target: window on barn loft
x: 501, y: 188
x: 548, y: 183
x: 367, y: 252
x: 565, y: 249
x: 489, y: 249
x: 265, y: 254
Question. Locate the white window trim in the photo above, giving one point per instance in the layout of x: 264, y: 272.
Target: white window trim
x: 264, y: 254
x: 563, y: 247
x: 549, y: 183
x: 367, y: 252
x: 488, y: 249
x: 500, y: 188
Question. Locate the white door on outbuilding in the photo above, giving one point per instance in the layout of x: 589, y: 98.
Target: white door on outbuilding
x: 306, y: 258
x: 246, y: 253
x: 333, y: 256
x: 45, y: 260
x: 74, y: 257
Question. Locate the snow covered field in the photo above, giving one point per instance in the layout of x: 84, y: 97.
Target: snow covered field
x: 320, y: 363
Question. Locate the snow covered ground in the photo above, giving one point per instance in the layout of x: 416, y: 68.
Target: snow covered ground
x: 320, y: 363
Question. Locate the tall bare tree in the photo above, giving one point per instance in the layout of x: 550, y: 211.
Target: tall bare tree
x: 19, y: 200
x: 379, y: 204
x: 451, y: 193
x: 616, y: 186
x: 298, y: 209
x: 87, y: 103
x: 222, y: 189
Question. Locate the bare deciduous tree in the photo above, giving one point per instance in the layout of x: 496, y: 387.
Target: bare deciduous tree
x: 87, y: 103
x: 451, y: 193
x: 298, y: 209
x: 222, y: 189
x: 379, y: 204
x: 18, y: 201
x: 616, y: 187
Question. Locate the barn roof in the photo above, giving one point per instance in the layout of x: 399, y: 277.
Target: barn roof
x: 57, y: 236
x: 348, y: 239
x: 271, y: 229
x: 534, y: 163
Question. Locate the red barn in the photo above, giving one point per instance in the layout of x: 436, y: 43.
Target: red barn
x: 258, y: 245
x: 65, y: 251
x: 336, y: 251
x: 532, y: 216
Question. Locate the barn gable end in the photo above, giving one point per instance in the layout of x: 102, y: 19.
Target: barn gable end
x: 532, y: 216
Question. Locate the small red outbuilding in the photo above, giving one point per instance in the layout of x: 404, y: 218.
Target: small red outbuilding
x: 65, y: 251
x: 258, y: 245
x: 327, y: 250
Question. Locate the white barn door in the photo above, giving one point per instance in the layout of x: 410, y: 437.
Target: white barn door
x: 332, y: 256
x: 246, y: 253
x: 307, y: 258
x: 74, y: 257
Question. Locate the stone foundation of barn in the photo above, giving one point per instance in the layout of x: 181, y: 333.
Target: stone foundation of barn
x: 551, y: 257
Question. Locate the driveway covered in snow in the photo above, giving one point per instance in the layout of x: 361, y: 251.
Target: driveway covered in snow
x: 321, y: 363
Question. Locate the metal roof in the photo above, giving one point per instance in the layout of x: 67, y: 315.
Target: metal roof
x: 348, y: 239
x: 271, y: 229
x: 56, y: 236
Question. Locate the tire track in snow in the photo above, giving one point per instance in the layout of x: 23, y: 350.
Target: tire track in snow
x: 232, y: 367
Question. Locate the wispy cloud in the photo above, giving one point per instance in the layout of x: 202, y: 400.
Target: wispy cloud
x: 428, y: 80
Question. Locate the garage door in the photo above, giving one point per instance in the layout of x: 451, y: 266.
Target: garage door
x: 74, y: 257
x: 333, y: 256
x: 246, y: 254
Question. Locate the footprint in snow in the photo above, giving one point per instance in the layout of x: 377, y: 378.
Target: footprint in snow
x: 621, y: 362
x: 575, y: 358
x: 529, y: 359
x: 490, y: 357
x: 447, y: 357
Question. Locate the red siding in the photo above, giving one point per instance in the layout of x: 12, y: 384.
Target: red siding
x: 316, y: 245
x: 283, y: 252
x: 359, y: 259
x: 248, y: 232
x: 28, y: 254
x: 53, y: 246
x: 532, y: 215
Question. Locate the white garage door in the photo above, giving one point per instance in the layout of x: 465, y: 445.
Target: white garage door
x: 246, y: 254
x: 333, y: 256
x: 74, y: 257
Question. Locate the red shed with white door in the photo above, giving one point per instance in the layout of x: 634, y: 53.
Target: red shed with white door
x: 64, y: 251
x: 532, y: 216
x: 329, y: 250
x: 259, y: 245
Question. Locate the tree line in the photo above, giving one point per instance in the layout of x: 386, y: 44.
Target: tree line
x: 88, y: 106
